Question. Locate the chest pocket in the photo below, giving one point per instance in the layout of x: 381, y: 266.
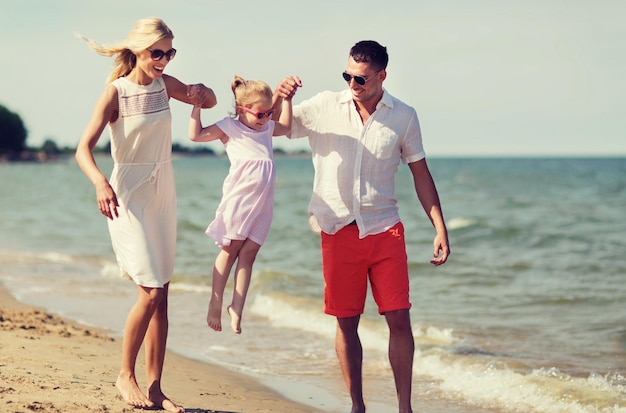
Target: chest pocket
x: 383, y: 142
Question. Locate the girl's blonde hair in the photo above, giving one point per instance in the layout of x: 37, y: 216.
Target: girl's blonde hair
x: 248, y: 92
x: 145, y: 33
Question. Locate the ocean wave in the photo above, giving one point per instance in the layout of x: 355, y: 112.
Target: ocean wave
x: 461, y: 222
x: 472, y: 375
x: 482, y: 381
x: 51, y: 257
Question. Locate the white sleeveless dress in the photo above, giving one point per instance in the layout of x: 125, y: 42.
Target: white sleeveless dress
x: 144, y: 235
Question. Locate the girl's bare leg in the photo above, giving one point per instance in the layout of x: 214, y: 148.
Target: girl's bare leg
x: 243, y: 273
x: 156, y: 342
x: 221, y: 270
x: 134, y: 333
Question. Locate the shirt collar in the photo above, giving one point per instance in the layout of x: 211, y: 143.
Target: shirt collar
x: 386, y: 100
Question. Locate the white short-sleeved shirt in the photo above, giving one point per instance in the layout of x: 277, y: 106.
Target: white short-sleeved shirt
x: 355, y: 163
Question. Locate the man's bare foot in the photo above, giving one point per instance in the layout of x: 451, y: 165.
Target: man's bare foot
x: 214, y: 316
x: 235, y: 320
x: 358, y: 408
x: 160, y: 400
x: 131, y: 393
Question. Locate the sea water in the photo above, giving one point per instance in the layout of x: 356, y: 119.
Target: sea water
x: 528, y: 315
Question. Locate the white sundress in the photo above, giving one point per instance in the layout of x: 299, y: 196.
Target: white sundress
x: 144, y: 235
x: 247, y: 205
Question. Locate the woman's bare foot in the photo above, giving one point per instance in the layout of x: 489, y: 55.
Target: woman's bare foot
x: 162, y: 401
x: 214, y: 316
x: 235, y: 320
x: 131, y: 393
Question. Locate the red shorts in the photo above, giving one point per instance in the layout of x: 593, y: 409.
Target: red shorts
x: 348, y: 262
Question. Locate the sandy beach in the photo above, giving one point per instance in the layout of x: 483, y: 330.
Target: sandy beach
x: 51, y: 364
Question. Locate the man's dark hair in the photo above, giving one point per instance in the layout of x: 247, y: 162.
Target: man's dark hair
x: 369, y: 51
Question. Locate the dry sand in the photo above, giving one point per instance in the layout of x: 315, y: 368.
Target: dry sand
x: 50, y: 364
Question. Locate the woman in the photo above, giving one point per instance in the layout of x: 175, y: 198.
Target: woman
x: 139, y: 200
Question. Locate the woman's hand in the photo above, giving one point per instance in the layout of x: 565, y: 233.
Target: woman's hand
x: 196, y: 95
x: 107, y: 200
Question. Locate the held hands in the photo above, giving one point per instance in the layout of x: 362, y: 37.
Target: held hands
x: 287, y: 88
x: 196, y: 94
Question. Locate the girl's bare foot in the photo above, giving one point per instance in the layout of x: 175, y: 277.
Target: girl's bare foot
x: 214, y: 316
x: 235, y: 320
x: 130, y: 392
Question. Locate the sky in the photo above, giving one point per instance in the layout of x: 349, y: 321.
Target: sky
x: 487, y: 77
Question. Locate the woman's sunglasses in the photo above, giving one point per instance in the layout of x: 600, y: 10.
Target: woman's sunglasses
x: 260, y: 114
x: 157, y: 54
x: 360, y: 80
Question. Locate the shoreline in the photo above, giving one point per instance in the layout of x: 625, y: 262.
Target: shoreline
x: 53, y: 364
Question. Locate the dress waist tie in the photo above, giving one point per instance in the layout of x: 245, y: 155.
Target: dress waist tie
x: 152, y: 178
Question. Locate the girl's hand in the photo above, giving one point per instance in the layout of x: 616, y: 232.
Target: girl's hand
x: 287, y: 88
x: 196, y: 94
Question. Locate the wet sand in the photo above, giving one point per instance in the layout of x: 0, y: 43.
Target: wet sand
x: 52, y: 364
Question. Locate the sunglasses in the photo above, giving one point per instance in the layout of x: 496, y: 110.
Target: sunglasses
x: 157, y: 54
x: 260, y: 114
x: 360, y: 80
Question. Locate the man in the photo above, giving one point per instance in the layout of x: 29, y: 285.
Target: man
x: 358, y: 137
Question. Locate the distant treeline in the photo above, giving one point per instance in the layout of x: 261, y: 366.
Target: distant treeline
x: 13, y: 146
x: 49, y: 150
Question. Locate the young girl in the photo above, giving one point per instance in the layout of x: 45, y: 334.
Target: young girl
x: 244, y: 215
x: 139, y: 200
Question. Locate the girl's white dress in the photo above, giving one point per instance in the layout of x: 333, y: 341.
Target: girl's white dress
x: 144, y: 235
x: 247, y: 204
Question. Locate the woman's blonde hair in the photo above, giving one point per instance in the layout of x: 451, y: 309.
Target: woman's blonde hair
x: 248, y: 92
x: 145, y: 33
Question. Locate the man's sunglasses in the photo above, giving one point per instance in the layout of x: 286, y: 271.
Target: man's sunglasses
x: 260, y: 114
x: 360, y: 80
x: 157, y: 54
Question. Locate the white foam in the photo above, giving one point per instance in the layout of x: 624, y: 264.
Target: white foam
x: 458, y: 223
x: 434, y: 335
x: 37, y: 257
x: 57, y: 257
x: 494, y: 385
x: 188, y: 287
x: 298, y: 313
x: 110, y: 271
